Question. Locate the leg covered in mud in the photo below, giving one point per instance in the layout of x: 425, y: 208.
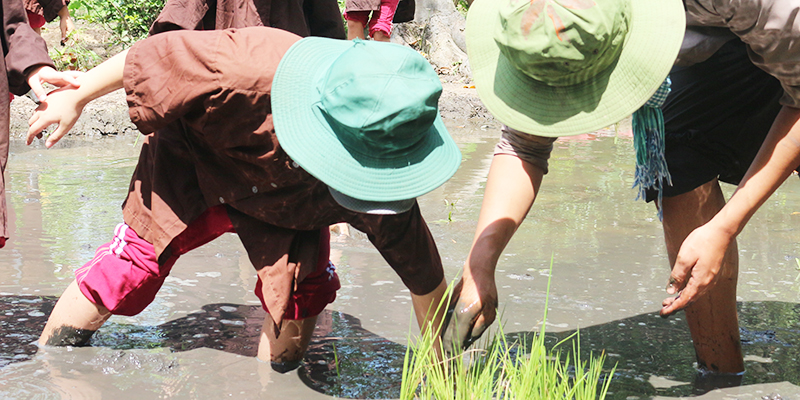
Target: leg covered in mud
x: 74, y: 319
x: 713, y: 320
x: 286, y: 350
x: 429, y: 310
x: 123, y: 278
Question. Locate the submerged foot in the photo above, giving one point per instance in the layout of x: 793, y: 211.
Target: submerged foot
x: 69, y: 336
x: 284, y: 366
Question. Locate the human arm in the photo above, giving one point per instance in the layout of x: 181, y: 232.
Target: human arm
x: 699, y: 260
x: 65, y: 23
x: 511, y: 188
x: 198, y: 76
x: 64, y: 106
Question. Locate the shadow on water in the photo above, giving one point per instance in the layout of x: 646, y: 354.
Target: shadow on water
x: 654, y: 356
x: 369, y: 366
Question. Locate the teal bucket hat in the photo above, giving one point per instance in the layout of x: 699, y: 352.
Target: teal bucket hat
x: 567, y: 67
x: 363, y: 118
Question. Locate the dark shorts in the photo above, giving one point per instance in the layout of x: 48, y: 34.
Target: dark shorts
x: 716, y: 116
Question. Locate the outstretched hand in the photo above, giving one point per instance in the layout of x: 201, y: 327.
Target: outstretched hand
x: 61, y: 107
x: 49, y: 75
x: 697, y: 267
x: 472, y: 309
x: 64, y: 106
x: 65, y: 24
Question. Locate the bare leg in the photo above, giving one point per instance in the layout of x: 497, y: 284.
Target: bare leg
x: 425, y: 310
x: 355, y: 30
x: 713, y: 320
x: 74, y: 319
x: 287, y: 350
x: 381, y: 36
x: 425, y: 306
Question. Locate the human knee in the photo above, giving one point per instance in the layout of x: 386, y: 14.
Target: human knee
x: 125, y: 275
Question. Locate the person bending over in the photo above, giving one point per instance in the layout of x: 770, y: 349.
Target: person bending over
x: 262, y: 140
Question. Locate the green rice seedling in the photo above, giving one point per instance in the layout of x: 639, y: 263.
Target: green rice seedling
x: 336, y: 360
x: 502, y: 370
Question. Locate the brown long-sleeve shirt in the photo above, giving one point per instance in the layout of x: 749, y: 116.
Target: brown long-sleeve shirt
x: 206, y: 97
x: 302, y: 17
x: 22, y: 50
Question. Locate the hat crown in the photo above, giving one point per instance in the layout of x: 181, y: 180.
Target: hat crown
x: 381, y: 101
x: 562, y: 42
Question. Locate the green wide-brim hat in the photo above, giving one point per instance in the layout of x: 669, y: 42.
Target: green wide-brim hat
x: 531, y: 106
x: 312, y: 140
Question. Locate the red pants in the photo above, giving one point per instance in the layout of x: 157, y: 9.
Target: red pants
x: 381, y: 19
x: 35, y: 20
x: 124, y: 275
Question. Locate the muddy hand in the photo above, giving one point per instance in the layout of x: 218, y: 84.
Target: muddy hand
x: 697, y: 267
x: 467, y: 317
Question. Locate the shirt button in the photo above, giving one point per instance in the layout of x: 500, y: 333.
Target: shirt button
x: 295, y: 164
x: 221, y: 200
x: 255, y: 189
x: 273, y: 185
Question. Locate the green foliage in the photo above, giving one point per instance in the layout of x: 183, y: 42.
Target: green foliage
x: 503, y: 371
x: 74, y: 57
x: 129, y: 20
x: 451, y: 208
x: 462, y: 6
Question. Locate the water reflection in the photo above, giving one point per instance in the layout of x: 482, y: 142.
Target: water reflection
x: 609, y: 269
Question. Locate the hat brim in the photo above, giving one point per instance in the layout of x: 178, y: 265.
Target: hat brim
x: 307, y: 137
x: 530, y: 106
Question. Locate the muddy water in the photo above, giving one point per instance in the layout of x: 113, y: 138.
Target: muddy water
x: 197, y: 339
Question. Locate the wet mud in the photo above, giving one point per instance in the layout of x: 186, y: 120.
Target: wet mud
x: 345, y: 360
x: 198, y: 338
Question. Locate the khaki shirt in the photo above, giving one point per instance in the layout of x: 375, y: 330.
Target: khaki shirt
x: 206, y: 97
x: 362, y: 5
x: 22, y: 49
x: 769, y: 28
